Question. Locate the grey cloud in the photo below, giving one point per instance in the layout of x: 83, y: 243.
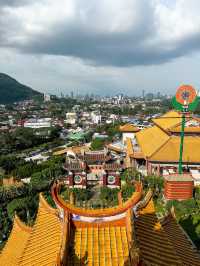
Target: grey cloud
x: 135, y: 46
x: 7, y: 3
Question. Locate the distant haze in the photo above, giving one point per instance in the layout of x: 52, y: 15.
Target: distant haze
x: 101, y: 47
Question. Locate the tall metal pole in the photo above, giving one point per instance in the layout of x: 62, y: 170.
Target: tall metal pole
x: 180, y: 167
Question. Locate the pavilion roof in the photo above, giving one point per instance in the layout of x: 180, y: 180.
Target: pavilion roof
x: 94, y: 156
x: 44, y: 242
x: 192, y: 125
x: 16, y: 243
x: 129, y: 128
x: 169, y: 151
x: 112, y: 166
x: 162, y: 241
x: 151, y: 139
x: 183, y: 247
x: 168, y: 120
x: 159, y: 144
x: 74, y: 164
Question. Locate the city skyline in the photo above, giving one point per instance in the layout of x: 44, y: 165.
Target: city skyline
x: 101, y: 47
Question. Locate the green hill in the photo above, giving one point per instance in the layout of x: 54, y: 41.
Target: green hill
x: 13, y: 91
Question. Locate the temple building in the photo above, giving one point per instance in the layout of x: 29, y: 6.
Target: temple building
x: 127, y: 235
x: 91, y: 168
x: 157, y: 148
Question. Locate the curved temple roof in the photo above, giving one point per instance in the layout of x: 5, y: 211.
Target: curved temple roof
x: 56, y: 239
x: 16, y: 243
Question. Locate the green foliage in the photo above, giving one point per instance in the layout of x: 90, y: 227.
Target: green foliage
x: 5, y: 225
x: 81, y: 194
x: 97, y: 144
x: 127, y: 191
x: 129, y: 175
x: 24, y: 207
x: 154, y: 182
x: 8, y: 163
x: 50, y: 170
x: 25, y: 138
x: 65, y: 192
x: 12, y: 91
x: 49, y: 199
x: 191, y: 225
x: 110, y: 129
x: 187, y: 213
x: 109, y: 195
x: 183, y: 208
x: 12, y: 192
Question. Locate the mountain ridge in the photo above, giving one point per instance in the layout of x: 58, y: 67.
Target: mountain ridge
x: 13, y: 91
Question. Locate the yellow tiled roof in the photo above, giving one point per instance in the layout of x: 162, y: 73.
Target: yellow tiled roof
x: 168, y: 120
x: 128, y: 128
x: 169, y: 152
x: 16, y: 243
x: 151, y: 139
x: 75, y: 149
x: 44, y: 242
x: 188, y: 129
x: 155, y: 247
x: 100, y: 246
x: 172, y: 114
x: 186, y: 252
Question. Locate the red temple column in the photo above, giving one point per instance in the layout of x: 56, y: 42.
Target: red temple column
x: 104, y: 179
x: 71, y: 179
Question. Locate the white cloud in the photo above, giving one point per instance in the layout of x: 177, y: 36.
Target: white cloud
x: 90, y: 41
x: 107, y: 32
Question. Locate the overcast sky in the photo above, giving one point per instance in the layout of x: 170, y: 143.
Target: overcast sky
x: 101, y: 46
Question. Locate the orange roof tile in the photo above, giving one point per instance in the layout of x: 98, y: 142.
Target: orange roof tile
x: 45, y: 239
x: 128, y: 128
x: 16, y: 243
x: 169, y: 152
x: 192, y: 125
x: 75, y: 149
x: 100, y: 246
x: 155, y: 248
x: 180, y: 242
x: 151, y: 139
x: 168, y: 120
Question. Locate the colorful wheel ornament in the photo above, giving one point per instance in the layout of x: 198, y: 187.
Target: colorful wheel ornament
x: 186, y: 99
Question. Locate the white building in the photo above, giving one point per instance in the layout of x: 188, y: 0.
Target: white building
x: 38, y: 123
x: 71, y: 118
x: 47, y: 98
x: 96, y: 118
